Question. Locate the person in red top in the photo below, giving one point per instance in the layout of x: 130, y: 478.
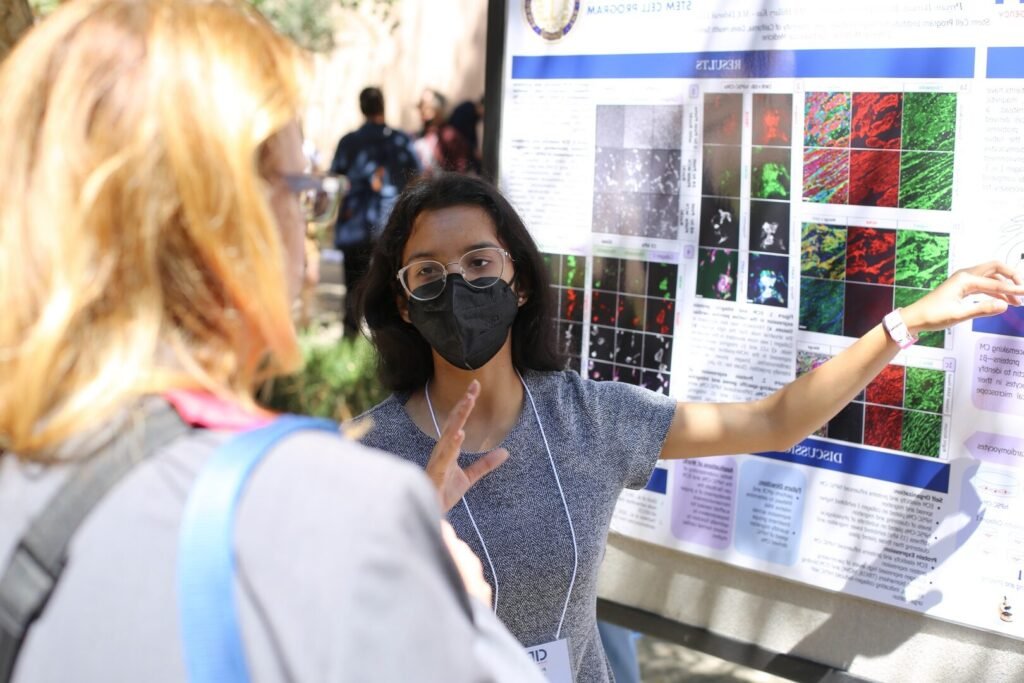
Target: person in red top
x: 440, y: 146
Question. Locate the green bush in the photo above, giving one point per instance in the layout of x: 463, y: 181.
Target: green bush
x: 338, y: 381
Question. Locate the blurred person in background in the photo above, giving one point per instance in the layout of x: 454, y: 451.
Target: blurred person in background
x: 465, y: 119
x: 440, y: 147
x: 153, y: 203
x: 378, y: 161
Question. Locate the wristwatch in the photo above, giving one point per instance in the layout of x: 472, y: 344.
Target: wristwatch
x: 898, y: 330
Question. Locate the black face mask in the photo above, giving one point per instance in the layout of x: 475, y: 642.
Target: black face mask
x: 467, y: 326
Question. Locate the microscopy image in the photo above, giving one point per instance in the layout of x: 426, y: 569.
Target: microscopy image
x: 627, y: 374
x: 865, y: 307
x: 821, y: 305
x: 667, y: 124
x: 661, y: 282
x: 925, y: 390
x: 573, y: 268
x: 719, y: 222
x: 723, y: 116
x: 658, y: 352
x: 636, y: 170
x: 848, y: 425
x: 903, y: 297
x: 721, y: 170
x: 773, y: 120
x: 877, y: 120
x: 929, y: 121
x: 611, y: 125
x: 658, y: 215
x: 603, y: 306
x: 605, y: 275
x: 660, y: 316
x: 827, y: 119
x: 922, y: 259
x: 922, y: 433
x: 632, y: 311
x: 871, y: 255
x: 570, y: 305
x: 809, y: 360
x: 570, y: 338
x: 768, y: 280
x: 926, y: 180
x: 629, y: 347
x: 606, y: 212
x: 874, y: 177
x: 823, y: 251
x: 883, y: 427
x: 602, y: 343
x: 639, y: 125
x: 656, y: 381
x: 769, y: 173
x: 769, y: 227
x: 887, y: 387
x: 717, y: 271
x: 633, y: 276
x: 601, y: 372
x: 827, y: 176
x: 609, y: 169
x: 663, y: 172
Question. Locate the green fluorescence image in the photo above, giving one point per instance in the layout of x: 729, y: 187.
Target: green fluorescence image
x: 925, y: 389
x: 572, y: 271
x: 821, y: 305
x: 905, y: 296
x: 769, y: 173
x: 922, y: 259
x: 823, y: 251
x: 926, y: 180
x: 929, y: 121
x: 922, y: 433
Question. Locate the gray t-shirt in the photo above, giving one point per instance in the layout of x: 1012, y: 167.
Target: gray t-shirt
x: 342, y: 573
x: 603, y: 436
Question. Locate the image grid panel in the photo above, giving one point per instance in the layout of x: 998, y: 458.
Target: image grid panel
x: 850, y: 277
x: 887, y: 149
x: 637, y: 167
x: 902, y: 409
x: 567, y: 273
x: 632, y: 322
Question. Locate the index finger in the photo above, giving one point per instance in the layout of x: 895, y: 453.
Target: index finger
x: 447, y: 449
x: 998, y: 268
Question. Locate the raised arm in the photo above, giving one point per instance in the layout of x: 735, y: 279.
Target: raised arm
x: 780, y: 420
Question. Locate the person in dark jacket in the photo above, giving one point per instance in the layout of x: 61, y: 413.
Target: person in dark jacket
x: 378, y: 161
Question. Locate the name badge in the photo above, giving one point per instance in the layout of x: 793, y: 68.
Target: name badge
x: 553, y: 660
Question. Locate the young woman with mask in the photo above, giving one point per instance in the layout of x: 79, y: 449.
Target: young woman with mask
x: 456, y: 301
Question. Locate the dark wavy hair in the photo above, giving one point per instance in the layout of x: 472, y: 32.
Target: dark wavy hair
x: 404, y: 359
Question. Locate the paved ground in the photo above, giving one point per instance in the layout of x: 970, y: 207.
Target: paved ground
x: 662, y: 662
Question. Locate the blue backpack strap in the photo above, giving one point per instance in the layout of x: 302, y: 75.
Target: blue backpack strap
x: 211, y: 635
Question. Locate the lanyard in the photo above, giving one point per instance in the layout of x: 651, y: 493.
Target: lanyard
x: 558, y: 482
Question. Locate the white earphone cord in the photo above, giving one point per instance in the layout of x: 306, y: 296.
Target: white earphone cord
x: 565, y: 506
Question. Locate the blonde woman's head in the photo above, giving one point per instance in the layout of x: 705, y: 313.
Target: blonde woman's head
x: 146, y: 239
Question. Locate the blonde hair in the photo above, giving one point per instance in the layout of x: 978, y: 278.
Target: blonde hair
x: 139, y: 249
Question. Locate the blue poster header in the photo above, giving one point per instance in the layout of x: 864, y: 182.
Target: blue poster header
x: 1005, y: 62
x: 937, y: 62
x: 852, y: 459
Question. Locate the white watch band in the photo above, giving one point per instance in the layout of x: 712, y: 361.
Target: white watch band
x: 898, y: 330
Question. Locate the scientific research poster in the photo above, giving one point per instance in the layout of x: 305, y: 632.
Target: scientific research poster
x: 730, y: 193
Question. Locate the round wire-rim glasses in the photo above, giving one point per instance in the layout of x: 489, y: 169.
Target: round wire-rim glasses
x: 319, y: 195
x: 480, y: 268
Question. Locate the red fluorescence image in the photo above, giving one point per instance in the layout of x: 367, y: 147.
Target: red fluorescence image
x: 887, y: 387
x: 883, y: 427
x: 871, y: 255
x: 660, y: 316
x: 877, y: 120
x: 603, y: 308
x: 723, y: 114
x: 773, y: 119
x: 874, y: 178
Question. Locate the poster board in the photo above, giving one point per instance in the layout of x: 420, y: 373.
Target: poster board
x: 729, y: 193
